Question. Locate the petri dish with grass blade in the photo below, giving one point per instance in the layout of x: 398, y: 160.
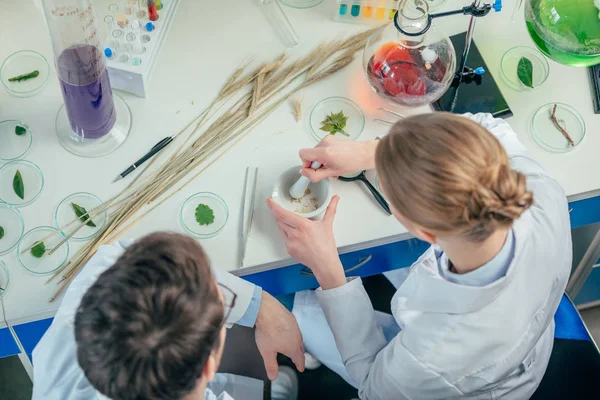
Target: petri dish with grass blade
x: 509, y: 67
x: 66, y: 219
x: 301, y: 3
x: 22, y: 63
x: 212, y: 202
x: 4, y: 279
x: 354, y: 124
x: 16, y: 139
x: 47, y: 263
x: 548, y: 136
x: 12, y: 227
x: 31, y: 177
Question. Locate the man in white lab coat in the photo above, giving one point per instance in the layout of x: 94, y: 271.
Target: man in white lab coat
x: 146, y: 320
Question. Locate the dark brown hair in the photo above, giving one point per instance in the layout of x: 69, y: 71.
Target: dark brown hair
x: 147, y: 326
x: 450, y: 175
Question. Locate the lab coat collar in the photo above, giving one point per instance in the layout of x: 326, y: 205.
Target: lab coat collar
x: 425, y: 290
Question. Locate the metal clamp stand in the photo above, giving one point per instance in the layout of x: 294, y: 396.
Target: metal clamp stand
x: 463, y: 73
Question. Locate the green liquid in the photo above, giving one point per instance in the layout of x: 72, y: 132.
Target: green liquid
x: 567, y: 31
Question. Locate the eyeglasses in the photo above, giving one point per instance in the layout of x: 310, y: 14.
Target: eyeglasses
x: 229, y: 298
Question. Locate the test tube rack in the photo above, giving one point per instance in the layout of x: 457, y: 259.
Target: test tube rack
x: 365, y: 11
x: 129, y: 69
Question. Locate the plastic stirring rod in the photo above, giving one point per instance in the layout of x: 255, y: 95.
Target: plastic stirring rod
x: 298, y: 189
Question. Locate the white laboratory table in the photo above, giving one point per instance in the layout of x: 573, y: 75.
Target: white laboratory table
x: 207, y: 41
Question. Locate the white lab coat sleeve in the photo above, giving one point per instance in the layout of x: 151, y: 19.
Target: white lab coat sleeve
x: 383, y: 371
x: 242, y: 288
x: 56, y: 373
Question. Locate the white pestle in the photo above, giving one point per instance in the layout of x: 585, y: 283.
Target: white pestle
x: 298, y: 189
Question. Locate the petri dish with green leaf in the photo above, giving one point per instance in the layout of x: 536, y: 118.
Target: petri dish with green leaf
x: 204, y: 215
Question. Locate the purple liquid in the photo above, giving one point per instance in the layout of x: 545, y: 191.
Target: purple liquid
x: 86, y: 91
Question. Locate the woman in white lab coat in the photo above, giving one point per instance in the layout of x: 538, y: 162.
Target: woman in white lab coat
x: 474, y: 317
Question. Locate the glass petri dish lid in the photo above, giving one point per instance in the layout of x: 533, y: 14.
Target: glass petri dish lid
x: 211, y: 202
x: 354, y: 124
x: 551, y: 137
x: 31, y: 177
x: 47, y: 263
x: 21, y: 63
x: 16, y: 139
x: 12, y: 227
x: 67, y: 220
x: 509, y: 68
x: 4, y: 279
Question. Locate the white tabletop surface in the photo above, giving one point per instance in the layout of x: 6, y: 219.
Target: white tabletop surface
x: 207, y: 41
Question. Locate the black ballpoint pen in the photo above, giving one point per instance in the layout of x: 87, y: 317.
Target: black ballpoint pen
x: 157, y: 147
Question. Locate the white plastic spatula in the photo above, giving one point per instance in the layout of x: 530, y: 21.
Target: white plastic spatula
x: 298, y: 189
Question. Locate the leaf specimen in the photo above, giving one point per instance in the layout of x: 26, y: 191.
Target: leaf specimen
x: 525, y: 71
x: 83, y: 215
x: 204, y: 215
x: 19, y: 130
x: 38, y: 250
x: 18, y: 186
x: 24, y: 77
x: 1, y: 232
x: 335, y: 123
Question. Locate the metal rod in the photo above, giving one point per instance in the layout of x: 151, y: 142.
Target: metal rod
x: 468, y: 42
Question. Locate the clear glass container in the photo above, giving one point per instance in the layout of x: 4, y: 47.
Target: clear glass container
x: 13, y: 226
x: 188, y: 215
x: 567, y: 31
x: 410, y: 70
x: 67, y: 221
x: 20, y: 63
x: 354, y: 124
x: 48, y: 263
x: 548, y: 136
x: 4, y: 279
x: 14, y: 146
x: 509, y: 66
x: 31, y: 176
x: 93, y: 121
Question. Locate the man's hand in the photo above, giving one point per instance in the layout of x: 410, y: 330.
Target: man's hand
x: 339, y: 156
x: 312, y: 243
x: 277, y: 331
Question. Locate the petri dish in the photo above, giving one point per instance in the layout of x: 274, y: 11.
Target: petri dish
x: 510, y: 63
x: 13, y: 226
x: 354, y: 125
x: 33, y: 182
x: 46, y: 264
x: 301, y: 3
x: 4, y: 279
x: 66, y: 219
x: 14, y: 146
x: 548, y: 136
x: 23, y: 62
x: 188, y: 215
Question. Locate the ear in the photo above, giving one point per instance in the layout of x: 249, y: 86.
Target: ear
x: 425, y: 235
x: 210, y: 368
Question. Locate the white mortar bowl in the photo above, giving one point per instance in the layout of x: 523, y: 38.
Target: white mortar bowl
x: 321, y: 190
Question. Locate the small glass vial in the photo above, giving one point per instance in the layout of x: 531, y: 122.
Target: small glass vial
x: 152, y: 13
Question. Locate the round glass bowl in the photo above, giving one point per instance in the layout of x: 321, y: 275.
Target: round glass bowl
x: 301, y: 3
x: 188, y: 215
x: 13, y: 226
x: 66, y: 219
x: 20, y: 63
x: 14, y: 146
x: 33, y: 182
x: 509, y: 66
x: 4, y: 279
x: 354, y: 124
x: 548, y: 136
x: 46, y: 264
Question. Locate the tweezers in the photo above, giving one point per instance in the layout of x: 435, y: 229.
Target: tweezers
x: 246, y: 224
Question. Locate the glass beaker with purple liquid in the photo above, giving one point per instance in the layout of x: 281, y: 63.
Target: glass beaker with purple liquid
x: 93, y: 121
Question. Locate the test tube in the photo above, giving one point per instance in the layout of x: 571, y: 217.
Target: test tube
x: 109, y: 20
x: 141, y: 13
x: 152, y: 13
x: 159, y: 4
x: 114, y: 9
x: 130, y: 7
x: 119, y: 46
x: 122, y: 20
x: 280, y: 23
x: 134, y: 43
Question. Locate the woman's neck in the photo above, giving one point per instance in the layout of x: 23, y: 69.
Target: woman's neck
x: 468, y: 256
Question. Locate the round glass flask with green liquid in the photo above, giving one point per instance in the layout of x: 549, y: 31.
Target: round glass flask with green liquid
x: 567, y: 31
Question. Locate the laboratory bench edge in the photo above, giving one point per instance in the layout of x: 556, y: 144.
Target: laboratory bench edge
x: 291, y: 279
